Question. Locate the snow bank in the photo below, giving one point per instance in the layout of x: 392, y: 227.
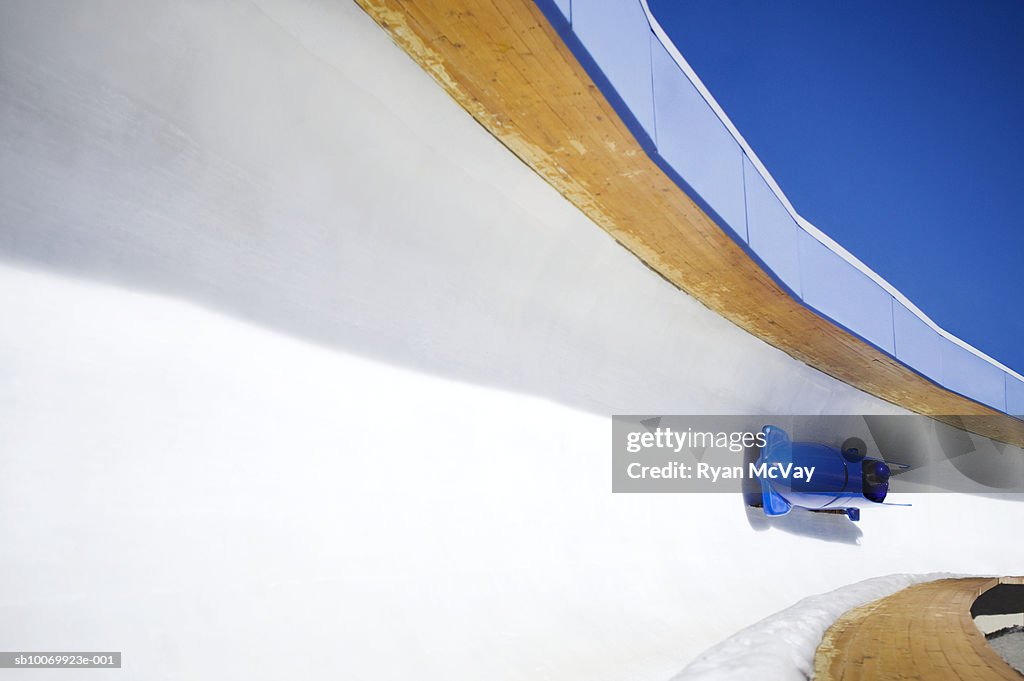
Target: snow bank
x: 781, y: 647
x: 1009, y: 643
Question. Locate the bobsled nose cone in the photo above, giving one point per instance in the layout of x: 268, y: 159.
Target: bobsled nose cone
x: 879, y: 471
x: 883, y: 470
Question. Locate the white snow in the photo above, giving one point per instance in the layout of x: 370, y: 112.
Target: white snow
x: 302, y: 374
x: 1010, y: 646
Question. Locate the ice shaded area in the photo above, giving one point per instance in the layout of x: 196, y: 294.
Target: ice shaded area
x: 284, y: 162
x: 781, y: 647
x: 1009, y: 643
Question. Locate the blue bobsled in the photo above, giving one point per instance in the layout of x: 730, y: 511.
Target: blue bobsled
x: 844, y: 480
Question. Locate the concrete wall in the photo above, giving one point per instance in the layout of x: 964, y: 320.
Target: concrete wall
x: 681, y: 126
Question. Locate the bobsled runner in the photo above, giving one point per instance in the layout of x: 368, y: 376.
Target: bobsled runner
x: 844, y: 480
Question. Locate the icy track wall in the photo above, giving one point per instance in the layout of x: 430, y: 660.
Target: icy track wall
x: 304, y: 375
x: 677, y: 121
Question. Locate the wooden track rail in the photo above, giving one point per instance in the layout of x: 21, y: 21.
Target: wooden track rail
x: 923, y: 632
x: 504, y: 64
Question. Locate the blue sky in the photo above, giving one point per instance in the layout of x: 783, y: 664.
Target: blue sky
x: 895, y: 127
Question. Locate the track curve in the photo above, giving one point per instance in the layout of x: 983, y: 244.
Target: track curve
x: 923, y: 632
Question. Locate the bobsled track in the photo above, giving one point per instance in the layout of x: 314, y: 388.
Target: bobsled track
x: 925, y: 631
x: 304, y: 374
